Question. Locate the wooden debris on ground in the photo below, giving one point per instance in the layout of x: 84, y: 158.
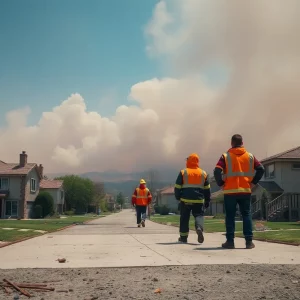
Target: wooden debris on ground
x: 8, y: 287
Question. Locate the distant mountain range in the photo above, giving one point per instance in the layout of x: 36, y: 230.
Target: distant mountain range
x: 116, y: 182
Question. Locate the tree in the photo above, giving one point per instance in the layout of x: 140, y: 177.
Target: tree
x: 45, y: 200
x: 120, y: 200
x: 79, y: 192
x: 99, y: 196
x: 152, y: 179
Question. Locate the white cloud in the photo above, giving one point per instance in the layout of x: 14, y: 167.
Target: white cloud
x: 257, y: 42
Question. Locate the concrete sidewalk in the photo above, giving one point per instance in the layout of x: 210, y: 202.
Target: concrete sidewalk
x: 115, y: 241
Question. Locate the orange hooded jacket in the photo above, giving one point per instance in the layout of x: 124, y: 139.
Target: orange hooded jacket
x: 192, y: 184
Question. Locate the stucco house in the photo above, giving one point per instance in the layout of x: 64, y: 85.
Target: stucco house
x: 20, y: 184
x: 166, y: 197
x: 56, y: 190
x: 277, y: 197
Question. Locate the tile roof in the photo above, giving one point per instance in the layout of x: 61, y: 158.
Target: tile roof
x: 271, y: 186
x: 167, y: 191
x: 289, y: 154
x: 51, y: 184
x: 15, y: 169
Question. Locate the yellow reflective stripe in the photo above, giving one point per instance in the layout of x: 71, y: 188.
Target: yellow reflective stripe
x: 196, y: 186
x: 184, y: 233
x: 177, y: 186
x: 239, y: 190
x: 133, y: 196
x: 206, y: 187
x: 191, y: 200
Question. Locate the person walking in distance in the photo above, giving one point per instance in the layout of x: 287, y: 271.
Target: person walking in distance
x: 141, y: 198
x: 237, y: 171
x: 192, y: 189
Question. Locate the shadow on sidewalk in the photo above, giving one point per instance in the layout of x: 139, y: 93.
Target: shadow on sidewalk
x: 216, y: 248
x: 177, y: 243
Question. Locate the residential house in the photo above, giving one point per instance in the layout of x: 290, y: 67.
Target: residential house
x: 166, y: 197
x: 283, y: 169
x: 110, y: 202
x: 19, y: 186
x: 56, y: 190
x: 216, y: 206
x: 277, y: 197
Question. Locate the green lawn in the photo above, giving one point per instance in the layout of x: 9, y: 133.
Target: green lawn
x: 218, y: 225
x: 48, y: 225
x: 10, y: 236
x: 283, y: 236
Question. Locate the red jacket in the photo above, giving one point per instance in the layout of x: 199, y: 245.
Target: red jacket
x: 141, y: 196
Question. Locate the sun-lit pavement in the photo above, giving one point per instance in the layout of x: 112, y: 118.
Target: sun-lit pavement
x: 115, y: 241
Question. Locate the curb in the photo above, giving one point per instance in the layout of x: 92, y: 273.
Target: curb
x: 276, y: 242
x: 32, y: 237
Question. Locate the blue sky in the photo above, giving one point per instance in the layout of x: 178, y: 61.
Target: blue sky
x: 50, y: 49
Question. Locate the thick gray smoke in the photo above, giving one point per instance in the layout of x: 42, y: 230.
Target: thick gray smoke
x: 257, y: 44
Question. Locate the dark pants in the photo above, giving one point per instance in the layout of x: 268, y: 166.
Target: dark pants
x: 140, y: 213
x: 244, y: 202
x: 185, y: 213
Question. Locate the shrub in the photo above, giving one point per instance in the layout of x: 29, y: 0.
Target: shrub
x: 164, y: 210
x: 45, y: 200
x: 38, y: 211
x: 70, y: 212
x: 157, y: 209
x: 54, y: 216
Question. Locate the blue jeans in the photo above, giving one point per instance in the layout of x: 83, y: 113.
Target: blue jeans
x: 244, y: 202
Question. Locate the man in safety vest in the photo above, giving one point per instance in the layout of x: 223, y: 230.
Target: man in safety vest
x: 237, y: 172
x: 192, y: 189
x: 141, y: 198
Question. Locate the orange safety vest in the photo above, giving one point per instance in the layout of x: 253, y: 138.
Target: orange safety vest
x: 239, y: 173
x: 142, y: 196
x: 193, y: 178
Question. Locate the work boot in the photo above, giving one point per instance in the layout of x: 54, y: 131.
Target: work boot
x: 200, y: 235
x: 182, y: 239
x: 143, y: 223
x: 228, y: 245
x: 139, y: 225
x: 250, y: 245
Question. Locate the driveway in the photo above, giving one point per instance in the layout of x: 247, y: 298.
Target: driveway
x: 115, y: 241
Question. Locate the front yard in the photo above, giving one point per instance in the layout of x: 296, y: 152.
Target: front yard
x: 288, y: 232
x: 14, y: 230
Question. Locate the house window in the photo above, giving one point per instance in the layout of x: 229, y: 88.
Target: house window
x: 4, y: 183
x: 61, y: 195
x: 270, y: 171
x: 296, y: 166
x: 32, y: 185
x: 11, y: 208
